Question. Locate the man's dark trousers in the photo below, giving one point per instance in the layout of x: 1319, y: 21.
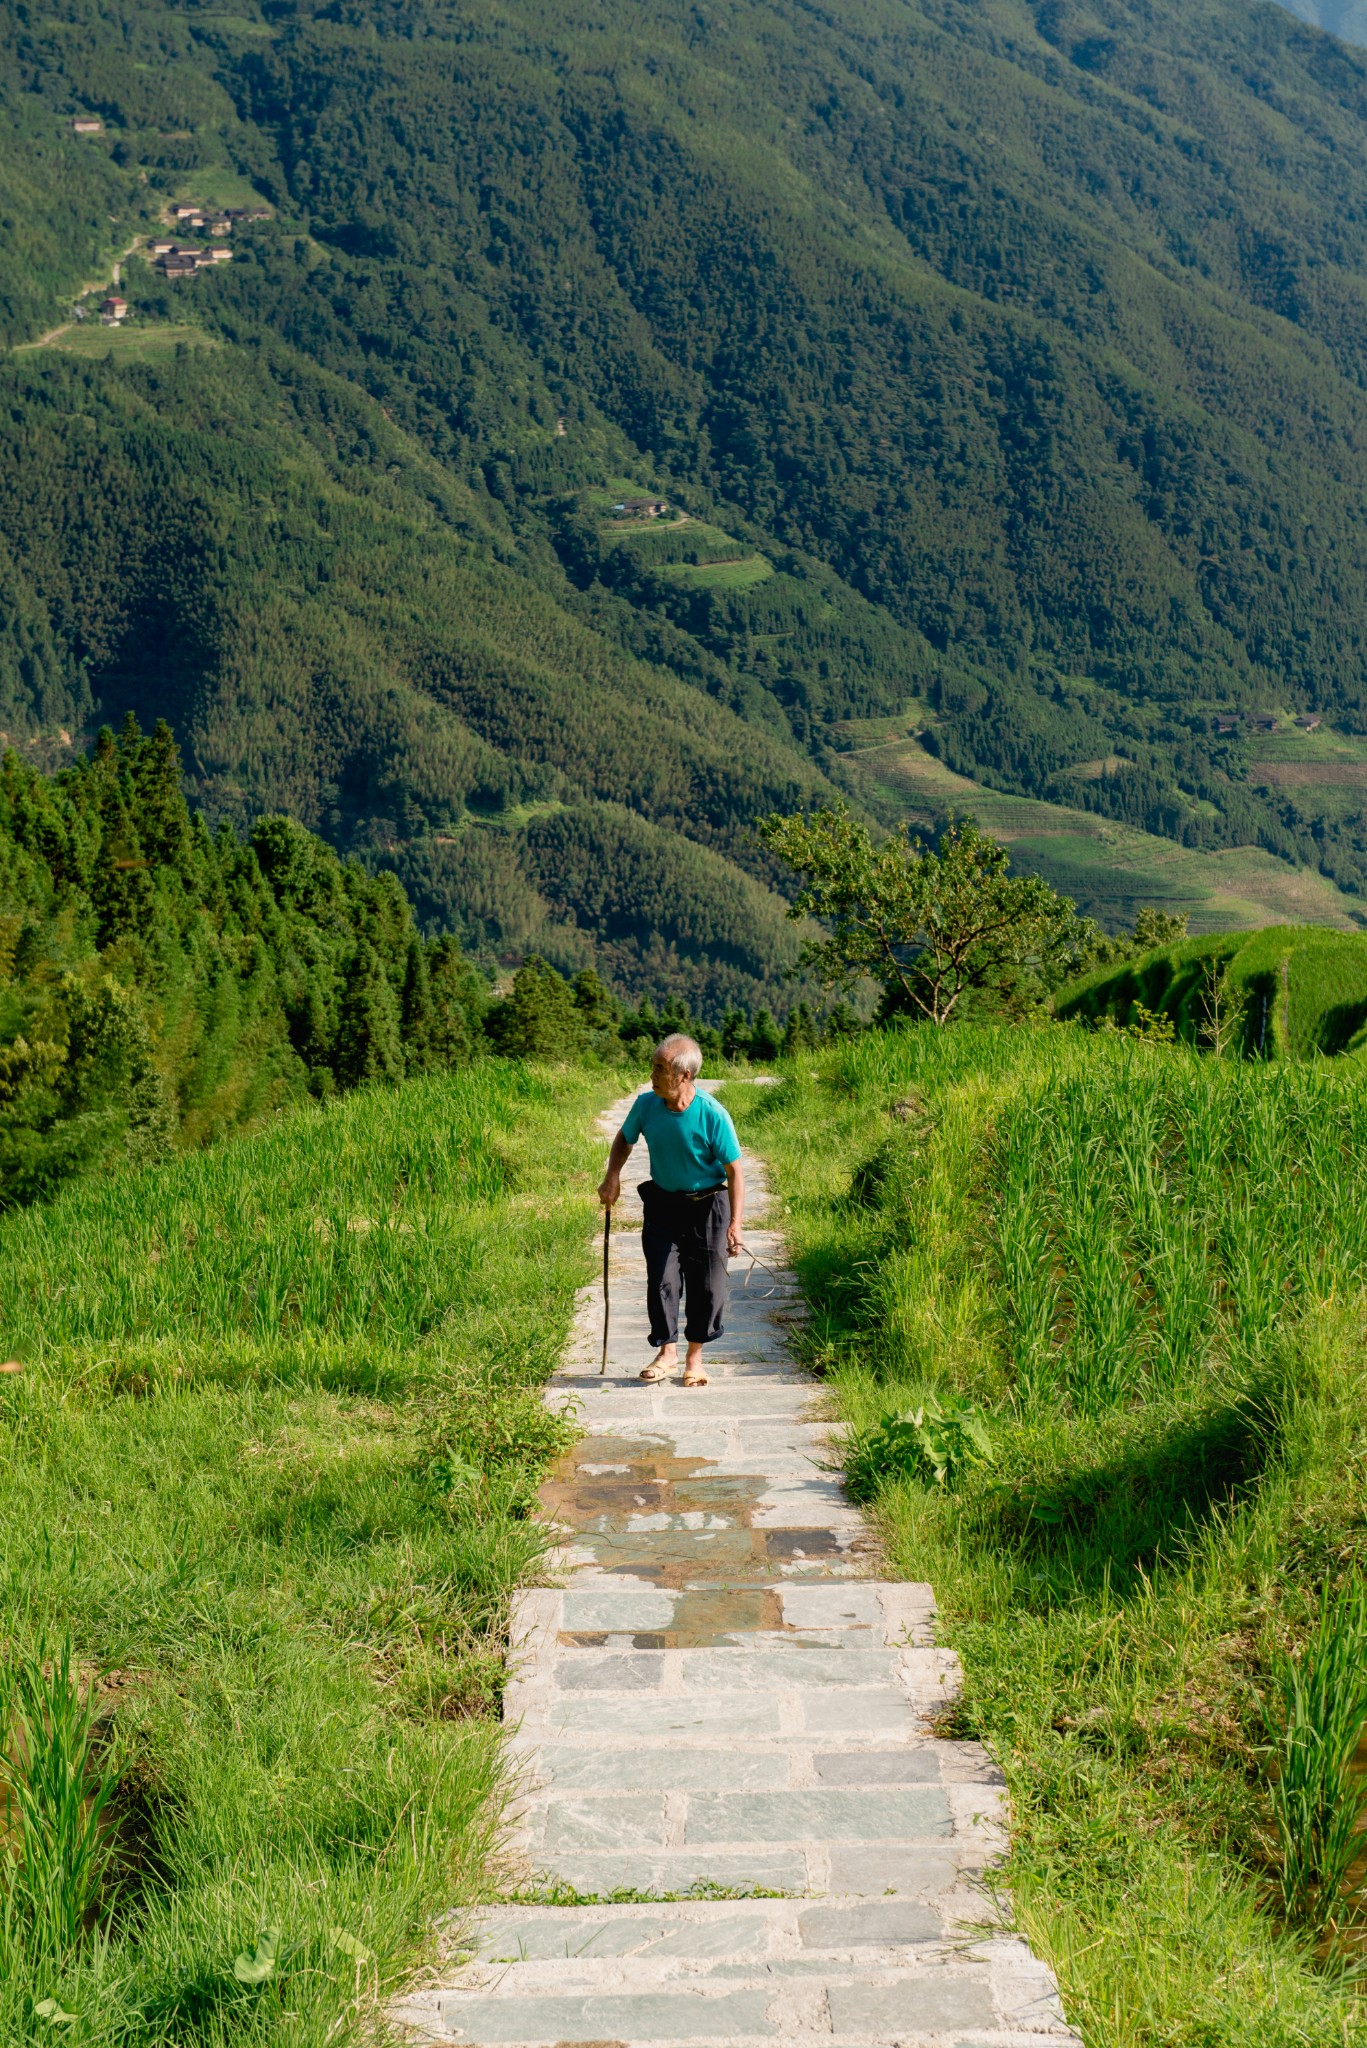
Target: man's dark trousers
x: 684, y: 1240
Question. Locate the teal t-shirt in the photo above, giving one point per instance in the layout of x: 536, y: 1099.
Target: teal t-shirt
x: 689, y: 1148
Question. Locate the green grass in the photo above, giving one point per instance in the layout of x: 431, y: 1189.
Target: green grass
x: 738, y: 574
x: 1145, y: 1269
x: 1304, y: 989
x: 139, y: 342
x: 235, y: 25
x: 1322, y: 773
x: 689, y: 552
x: 219, y: 185
x: 269, y: 1463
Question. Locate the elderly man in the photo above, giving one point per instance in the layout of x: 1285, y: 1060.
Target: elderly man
x: 694, y: 1201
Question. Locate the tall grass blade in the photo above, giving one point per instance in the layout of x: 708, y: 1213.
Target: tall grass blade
x: 56, y: 1793
x: 1318, y: 1799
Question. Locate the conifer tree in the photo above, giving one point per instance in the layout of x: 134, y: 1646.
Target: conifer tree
x: 599, y: 1010
x: 766, y: 1041
x: 457, y: 1002
x: 799, y: 1033
x: 735, y: 1034
x: 538, y: 1019
x: 369, y: 1047
x: 159, y: 806
x: 415, y: 1009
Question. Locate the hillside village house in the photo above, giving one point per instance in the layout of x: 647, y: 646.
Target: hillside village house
x: 87, y: 124
x: 640, y: 508
x: 200, y: 219
x: 183, y: 260
x: 113, y: 310
x: 1310, y: 721
x: 1226, y: 723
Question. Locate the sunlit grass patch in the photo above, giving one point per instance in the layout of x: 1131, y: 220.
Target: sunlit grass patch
x: 140, y: 342
x: 269, y: 1462
x: 739, y: 572
x: 1146, y: 1270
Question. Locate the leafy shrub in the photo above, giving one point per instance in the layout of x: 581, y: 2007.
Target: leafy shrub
x: 490, y: 1427
x: 939, y: 1442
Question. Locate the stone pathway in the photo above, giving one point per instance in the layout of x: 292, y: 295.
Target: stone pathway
x: 724, y: 1700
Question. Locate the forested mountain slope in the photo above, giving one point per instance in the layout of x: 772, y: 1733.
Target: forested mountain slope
x: 338, y: 631
x: 1007, y: 358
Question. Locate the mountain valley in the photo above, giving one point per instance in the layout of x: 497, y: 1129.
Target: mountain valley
x: 997, y: 372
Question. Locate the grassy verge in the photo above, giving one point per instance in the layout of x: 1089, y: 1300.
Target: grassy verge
x: 268, y: 1465
x: 1146, y: 1269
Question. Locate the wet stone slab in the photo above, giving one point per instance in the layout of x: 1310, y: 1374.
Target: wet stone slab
x: 719, y: 1736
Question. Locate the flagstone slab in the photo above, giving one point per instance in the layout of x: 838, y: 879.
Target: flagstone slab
x: 651, y: 2016
x: 827, y: 1815
x: 667, y: 1768
x: 732, y: 1715
x: 673, y: 1873
x: 921, y: 2005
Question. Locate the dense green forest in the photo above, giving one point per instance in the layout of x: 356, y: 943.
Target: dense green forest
x: 1051, y: 423
x: 334, y: 622
x: 162, y: 984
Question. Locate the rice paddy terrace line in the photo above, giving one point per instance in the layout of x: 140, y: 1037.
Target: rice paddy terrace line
x: 725, y: 1698
x: 1110, y: 869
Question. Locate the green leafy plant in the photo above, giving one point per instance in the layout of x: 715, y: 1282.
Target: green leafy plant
x: 1152, y: 1026
x: 938, y: 1441
x: 56, y: 1794
x: 489, y: 1421
x: 260, y: 1965
x: 1318, y: 1798
x: 348, y: 1945
x: 52, y: 2010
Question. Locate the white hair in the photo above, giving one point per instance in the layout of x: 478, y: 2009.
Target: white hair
x: 680, y: 1052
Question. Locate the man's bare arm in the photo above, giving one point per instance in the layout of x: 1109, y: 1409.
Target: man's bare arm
x: 611, y: 1186
x: 735, y: 1181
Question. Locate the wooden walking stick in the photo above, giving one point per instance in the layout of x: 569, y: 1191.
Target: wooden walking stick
x: 607, y: 1304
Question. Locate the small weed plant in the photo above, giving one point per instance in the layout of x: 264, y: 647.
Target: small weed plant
x: 938, y: 1440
